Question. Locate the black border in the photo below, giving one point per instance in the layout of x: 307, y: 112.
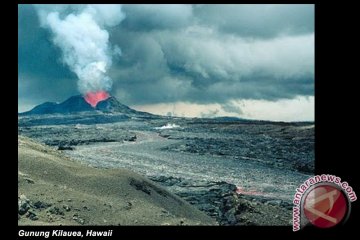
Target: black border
x: 335, y: 122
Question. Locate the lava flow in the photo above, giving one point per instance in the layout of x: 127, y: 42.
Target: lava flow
x: 94, y: 97
x: 240, y: 190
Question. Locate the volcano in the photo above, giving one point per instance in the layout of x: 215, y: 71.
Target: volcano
x: 78, y: 103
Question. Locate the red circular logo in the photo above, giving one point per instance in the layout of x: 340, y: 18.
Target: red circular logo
x: 325, y: 206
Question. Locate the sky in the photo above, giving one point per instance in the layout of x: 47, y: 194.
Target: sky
x: 248, y: 61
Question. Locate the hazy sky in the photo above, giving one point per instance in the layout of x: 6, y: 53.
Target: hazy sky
x: 251, y: 61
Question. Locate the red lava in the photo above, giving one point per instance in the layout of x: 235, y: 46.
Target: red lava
x: 94, y: 97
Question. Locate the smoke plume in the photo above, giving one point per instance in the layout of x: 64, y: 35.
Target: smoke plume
x: 80, y: 31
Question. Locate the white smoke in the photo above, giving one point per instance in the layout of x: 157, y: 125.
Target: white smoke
x: 80, y: 32
x: 168, y: 126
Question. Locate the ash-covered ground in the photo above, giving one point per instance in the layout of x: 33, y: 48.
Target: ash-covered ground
x: 240, y: 172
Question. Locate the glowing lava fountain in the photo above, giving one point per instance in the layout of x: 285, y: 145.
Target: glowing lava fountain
x: 94, y: 97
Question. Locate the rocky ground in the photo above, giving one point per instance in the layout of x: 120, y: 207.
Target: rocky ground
x: 225, y: 203
x: 55, y: 190
x: 238, y: 172
x: 281, y: 145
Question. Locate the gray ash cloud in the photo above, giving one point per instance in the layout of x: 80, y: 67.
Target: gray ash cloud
x: 190, y: 53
